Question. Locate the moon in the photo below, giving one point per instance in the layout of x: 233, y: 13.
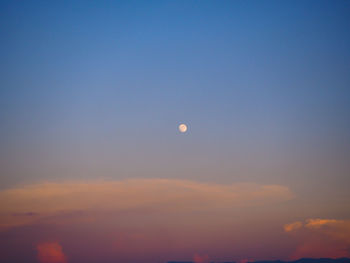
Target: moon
x: 182, y: 128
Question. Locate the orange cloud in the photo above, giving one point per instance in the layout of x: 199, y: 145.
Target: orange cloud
x: 51, y: 253
x: 321, y: 238
x: 39, y: 202
x: 317, y: 223
x: 293, y: 226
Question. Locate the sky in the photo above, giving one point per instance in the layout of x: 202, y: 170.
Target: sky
x: 93, y: 167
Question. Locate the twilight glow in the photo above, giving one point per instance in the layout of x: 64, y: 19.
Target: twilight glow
x: 167, y: 131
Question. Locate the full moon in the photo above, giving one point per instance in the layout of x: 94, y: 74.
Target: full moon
x: 182, y: 128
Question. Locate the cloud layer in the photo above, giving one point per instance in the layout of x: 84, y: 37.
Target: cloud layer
x: 140, y: 220
x: 37, y: 202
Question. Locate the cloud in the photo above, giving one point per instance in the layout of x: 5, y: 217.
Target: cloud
x: 200, y: 258
x: 321, y: 238
x: 50, y: 253
x: 293, y: 226
x: 45, y: 201
x: 318, y: 223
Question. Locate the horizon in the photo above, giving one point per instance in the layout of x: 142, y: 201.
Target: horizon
x: 276, y: 260
x: 148, y: 131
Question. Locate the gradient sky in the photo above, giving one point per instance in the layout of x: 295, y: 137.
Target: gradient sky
x: 93, y: 168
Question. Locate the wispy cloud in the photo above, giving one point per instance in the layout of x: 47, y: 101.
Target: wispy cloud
x: 293, y: 226
x: 44, y: 201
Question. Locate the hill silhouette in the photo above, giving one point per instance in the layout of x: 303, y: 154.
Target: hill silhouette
x: 301, y: 260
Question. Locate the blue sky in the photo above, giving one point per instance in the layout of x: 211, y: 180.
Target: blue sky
x: 260, y: 84
x: 263, y: 81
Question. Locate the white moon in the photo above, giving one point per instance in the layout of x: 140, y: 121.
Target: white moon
x: 182, y: 128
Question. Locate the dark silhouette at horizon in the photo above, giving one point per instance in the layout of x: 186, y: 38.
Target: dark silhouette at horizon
x: 301, y: 260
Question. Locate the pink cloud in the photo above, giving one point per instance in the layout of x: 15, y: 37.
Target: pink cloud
x: 200, y: 258
x: 320, y: 238
x: 50, y: 253
x: 47, y: 200
x: 155, y: 218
